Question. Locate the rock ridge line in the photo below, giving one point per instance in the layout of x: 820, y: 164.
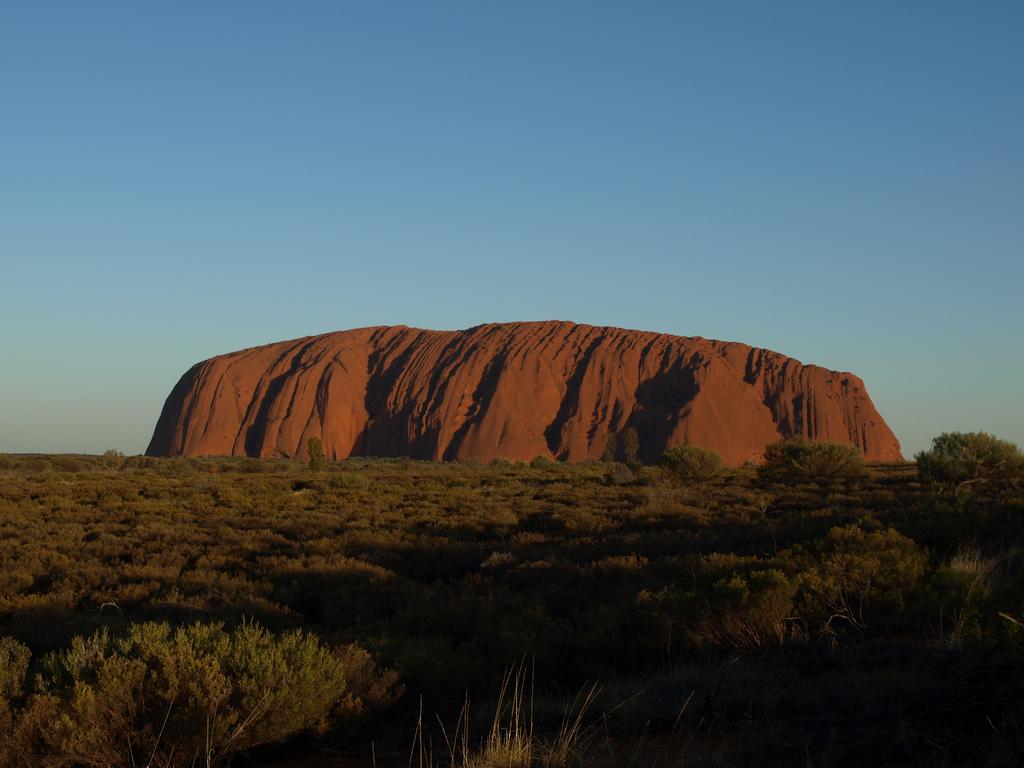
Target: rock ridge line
x: 512, y: 390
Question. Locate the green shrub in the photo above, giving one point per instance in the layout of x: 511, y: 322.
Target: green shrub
x: 800, y: 459
x: 962, y: 457
x: 691, y: 463
x: 352, y: 481
x: 193, y: 695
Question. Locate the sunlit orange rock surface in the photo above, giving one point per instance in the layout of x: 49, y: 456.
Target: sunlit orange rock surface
x: 514, y: 390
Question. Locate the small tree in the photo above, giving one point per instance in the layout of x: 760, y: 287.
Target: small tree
x: 631, y: 447
x: 316, y: 454
x: 609, y: 448
x: 691, y: 463
x: 112, y: 459
x: 970, y: 457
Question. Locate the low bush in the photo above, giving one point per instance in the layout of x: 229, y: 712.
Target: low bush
x: 189, y: 696
x: 800, y: 459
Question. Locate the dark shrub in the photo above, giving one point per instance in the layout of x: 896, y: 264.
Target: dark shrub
x: 750, y: 610
x: 367, y: 686
x: 14, y: 659
x: 737, y: 610
x: 691, y: 463
x: 961, y: 457
x: 858, y: 579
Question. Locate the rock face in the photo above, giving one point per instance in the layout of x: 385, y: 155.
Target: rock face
x: 515, y: 390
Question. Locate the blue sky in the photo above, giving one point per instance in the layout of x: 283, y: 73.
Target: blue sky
x: 842, y: 182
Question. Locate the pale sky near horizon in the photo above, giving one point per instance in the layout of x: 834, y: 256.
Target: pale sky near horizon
x: 841, y: 182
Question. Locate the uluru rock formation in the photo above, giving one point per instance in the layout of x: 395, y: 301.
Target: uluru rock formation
x: 513, y: 390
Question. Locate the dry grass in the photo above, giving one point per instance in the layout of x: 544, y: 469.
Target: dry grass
x: 969, y: 559
x: 512, y: 740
